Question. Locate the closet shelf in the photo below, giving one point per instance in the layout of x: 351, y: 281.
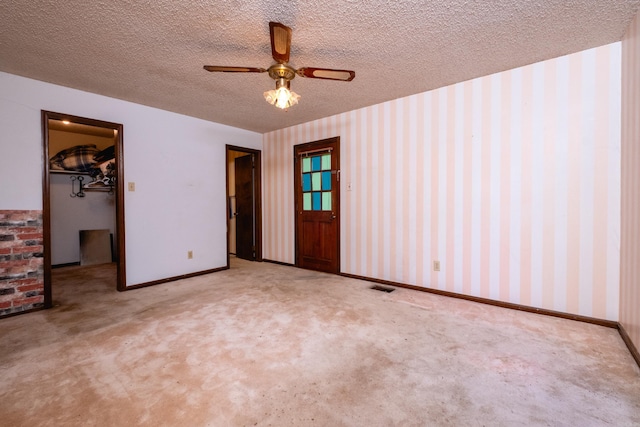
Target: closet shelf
x: 55, y: 171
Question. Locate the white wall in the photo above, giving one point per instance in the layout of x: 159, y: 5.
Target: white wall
x: 177, y: 164
x: 69, y: 215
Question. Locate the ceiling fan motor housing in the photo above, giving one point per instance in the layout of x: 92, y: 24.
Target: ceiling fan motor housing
x: 282, y: 71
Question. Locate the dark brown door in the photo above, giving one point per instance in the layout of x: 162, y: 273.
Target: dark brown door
x: 317, y: 201
x: 245, y: 215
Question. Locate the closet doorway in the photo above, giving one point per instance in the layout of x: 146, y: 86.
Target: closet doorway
x: 244, y: 195
x: 83, y: 195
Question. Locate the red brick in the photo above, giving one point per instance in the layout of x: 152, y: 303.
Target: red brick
x: 19, y: 215
x: 4, y: 244
x: 25, y: 301
x: 6, y: 213
x: 22, y: 249
x: 27, y: 288
x: 15, y: 269
x: 34, y: 263
x: 30, y: 213
x: 25, y: 282
x: 29, y: 236
x: 5, y: 304
x: 14, y: 264
x: 8, y: 298
x: 5, y: 251
x: 26, y: 229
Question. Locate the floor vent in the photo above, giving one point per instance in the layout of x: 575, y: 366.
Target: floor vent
x: 383, y: 288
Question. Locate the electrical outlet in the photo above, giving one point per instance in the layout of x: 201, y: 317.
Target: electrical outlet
x: 190, y: 255
x: 436, y: 265
x: 132, y: 186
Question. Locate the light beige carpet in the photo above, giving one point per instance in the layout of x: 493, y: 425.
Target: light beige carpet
x: 269, y: 345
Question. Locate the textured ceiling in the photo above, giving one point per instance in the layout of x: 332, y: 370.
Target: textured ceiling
x: 152, y: 51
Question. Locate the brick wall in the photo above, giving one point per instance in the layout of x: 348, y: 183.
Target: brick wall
x: 21, y: 266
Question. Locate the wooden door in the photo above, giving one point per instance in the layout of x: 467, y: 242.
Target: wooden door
x: 245, y: 215
x: 317, y: 201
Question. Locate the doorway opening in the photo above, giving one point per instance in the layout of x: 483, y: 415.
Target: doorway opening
x: 244, y: 207
x: 83, y: 195
x: 317, y: 204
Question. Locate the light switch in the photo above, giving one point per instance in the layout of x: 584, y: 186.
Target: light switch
x: 132, y: 186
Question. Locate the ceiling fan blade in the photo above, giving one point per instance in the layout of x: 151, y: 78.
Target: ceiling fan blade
x: 325, y: 73
x: 234, y: 69
x: 280, y: 42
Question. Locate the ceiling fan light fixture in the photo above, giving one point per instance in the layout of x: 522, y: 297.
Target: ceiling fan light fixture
x: 282, y: 97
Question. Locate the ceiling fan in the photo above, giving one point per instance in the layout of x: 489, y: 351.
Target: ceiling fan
x: 282, y: 72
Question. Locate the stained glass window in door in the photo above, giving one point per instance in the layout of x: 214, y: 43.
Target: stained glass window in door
x: 316, y: 182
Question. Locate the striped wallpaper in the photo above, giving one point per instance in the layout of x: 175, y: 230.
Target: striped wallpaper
x: 630, y: 263
x: 511, y: 181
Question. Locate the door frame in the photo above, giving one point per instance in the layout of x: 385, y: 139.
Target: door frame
x: 297, y: 183
x: 121, y: 284
x: 257, y: 197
